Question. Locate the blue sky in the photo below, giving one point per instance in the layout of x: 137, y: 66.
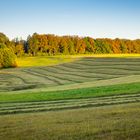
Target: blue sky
x: 95, y: 18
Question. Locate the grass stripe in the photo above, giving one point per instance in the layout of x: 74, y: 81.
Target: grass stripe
x: 72, y: 94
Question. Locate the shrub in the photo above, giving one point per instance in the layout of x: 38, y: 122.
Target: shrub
x: 7, y: 57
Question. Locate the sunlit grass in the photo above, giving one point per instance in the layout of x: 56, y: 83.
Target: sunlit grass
x: 107, y: 55
x: 43, y: 60
x: 59, y: 59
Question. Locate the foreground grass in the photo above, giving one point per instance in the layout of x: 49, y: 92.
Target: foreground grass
x: 72, y: 94
x: 116, y: 122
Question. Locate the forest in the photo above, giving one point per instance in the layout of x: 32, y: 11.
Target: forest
x: 49, y: 44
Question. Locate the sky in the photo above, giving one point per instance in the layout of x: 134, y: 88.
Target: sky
x: 94, y: 18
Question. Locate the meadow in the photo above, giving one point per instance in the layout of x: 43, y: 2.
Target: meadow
x: 71, y: 97
x: 115, y: 122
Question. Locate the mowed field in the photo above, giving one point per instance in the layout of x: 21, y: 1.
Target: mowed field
x: 82, y: 72
x: 74, y: 98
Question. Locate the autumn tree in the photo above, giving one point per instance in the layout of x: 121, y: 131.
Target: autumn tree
x: 7, y: 57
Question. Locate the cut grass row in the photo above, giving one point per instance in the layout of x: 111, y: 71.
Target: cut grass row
x: 80, y: 71
x: 28, y: 107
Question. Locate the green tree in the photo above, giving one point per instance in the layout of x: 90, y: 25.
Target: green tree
x: 71, y: 47
x: 33, y: 45
x: 3, y: 38
x: 123, y: 47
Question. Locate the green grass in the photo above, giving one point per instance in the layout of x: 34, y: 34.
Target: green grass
x: 72, y: 94
x: 65, y: 104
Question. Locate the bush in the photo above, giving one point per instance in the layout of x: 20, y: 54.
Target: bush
x: 7, y: 57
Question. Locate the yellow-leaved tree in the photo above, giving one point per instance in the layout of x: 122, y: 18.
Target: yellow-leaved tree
x: 7, y: 57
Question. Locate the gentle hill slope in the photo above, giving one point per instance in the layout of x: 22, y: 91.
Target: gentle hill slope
x: 78, y: 73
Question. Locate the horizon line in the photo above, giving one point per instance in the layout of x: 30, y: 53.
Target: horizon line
x: 22, y: 37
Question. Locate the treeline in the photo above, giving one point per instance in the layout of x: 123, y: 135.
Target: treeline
x: 42, y: 44
x: 54, y: 45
